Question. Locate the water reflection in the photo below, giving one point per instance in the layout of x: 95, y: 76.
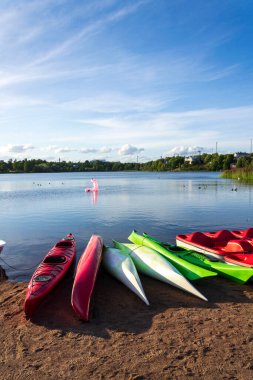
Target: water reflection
x: 3, y: 275
x: 93, y: 195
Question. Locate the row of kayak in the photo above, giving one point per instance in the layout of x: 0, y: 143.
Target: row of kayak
x: 173, y: 265
x: 54, y: 267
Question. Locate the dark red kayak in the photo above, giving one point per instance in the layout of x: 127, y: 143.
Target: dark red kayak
x: 48, y: 274
x: 85, y: 277
x: 234, y: 247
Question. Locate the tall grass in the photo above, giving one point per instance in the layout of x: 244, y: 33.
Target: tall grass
x: 244, y: 174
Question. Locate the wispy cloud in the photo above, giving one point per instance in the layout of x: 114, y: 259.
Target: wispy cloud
x: 16, y: 148
x: 95, y: 76
x: 96, y: 26
x: 111, y: 103
x: 14, y: 102
x: 88, y: 150
x: 162, y: 129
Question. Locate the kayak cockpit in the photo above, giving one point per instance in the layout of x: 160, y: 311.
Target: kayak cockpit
x: 55, y: 259
x: 64, y: 244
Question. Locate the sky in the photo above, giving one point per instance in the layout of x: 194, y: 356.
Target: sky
x: 125, y: 80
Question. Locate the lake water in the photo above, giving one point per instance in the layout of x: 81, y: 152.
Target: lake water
x: 37, y: 210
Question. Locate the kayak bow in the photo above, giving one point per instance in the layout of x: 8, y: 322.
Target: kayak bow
x: 151, y: 263
x: 121, y: 266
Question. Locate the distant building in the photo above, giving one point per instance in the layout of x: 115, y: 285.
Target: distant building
x: 241, y: 154
x: 192, y: 160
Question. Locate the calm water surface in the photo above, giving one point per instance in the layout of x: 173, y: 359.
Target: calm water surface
x: 37, y: 210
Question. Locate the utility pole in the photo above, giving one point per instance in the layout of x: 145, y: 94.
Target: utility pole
x: 216, y: 149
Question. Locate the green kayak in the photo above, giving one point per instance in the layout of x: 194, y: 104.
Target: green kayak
x: 236, y: 273
x: 151, y: 263
x: 187, y: 269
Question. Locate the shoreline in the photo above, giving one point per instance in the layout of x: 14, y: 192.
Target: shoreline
x: 177, y: 337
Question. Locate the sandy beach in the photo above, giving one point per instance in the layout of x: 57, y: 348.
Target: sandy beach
x: 177, y: 337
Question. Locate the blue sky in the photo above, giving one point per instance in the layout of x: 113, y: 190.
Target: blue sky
x: 114, y: 79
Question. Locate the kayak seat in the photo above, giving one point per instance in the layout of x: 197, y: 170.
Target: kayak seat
x: 201, y: 239
x: 64, y: 244
x: 54, y: 259
x: 240, y: 246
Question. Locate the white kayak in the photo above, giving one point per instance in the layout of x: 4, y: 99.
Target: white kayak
x: 151, y: 263
x: 121, y: 266
x: 2, y: 244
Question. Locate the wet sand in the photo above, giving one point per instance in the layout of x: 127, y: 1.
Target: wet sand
x: 177, y: 337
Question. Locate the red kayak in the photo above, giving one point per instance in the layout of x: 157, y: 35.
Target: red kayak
x: 234, y: 247
x: 49, y: 273
x: 85, y: 277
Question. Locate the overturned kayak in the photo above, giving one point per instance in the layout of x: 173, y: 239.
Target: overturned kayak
x: 48, y: 274
x: 121, y: 266
x: 236, y: 273
x: 189, y: 270
x: 234, y: 247
x: 85, y: 278
x: 151, y: 263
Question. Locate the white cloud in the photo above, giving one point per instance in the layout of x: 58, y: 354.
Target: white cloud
x: 65, y: 150
x: 16, y: 148
x: 105, y: 149
x: 184, y: 151
x: 88, y: 150
x: 13, y: 102
x: 129, y: 150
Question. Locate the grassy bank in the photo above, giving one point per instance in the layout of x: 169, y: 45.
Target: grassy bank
x: 244, y: 174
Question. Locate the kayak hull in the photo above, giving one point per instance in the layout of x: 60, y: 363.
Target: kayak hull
x: 151, y: 263
x: 121, y: 266
x: 85, y: 277
x: 49, y: 273
x: 234, y: 247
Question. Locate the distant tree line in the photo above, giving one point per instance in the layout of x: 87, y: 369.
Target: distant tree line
x: 208, y: 162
